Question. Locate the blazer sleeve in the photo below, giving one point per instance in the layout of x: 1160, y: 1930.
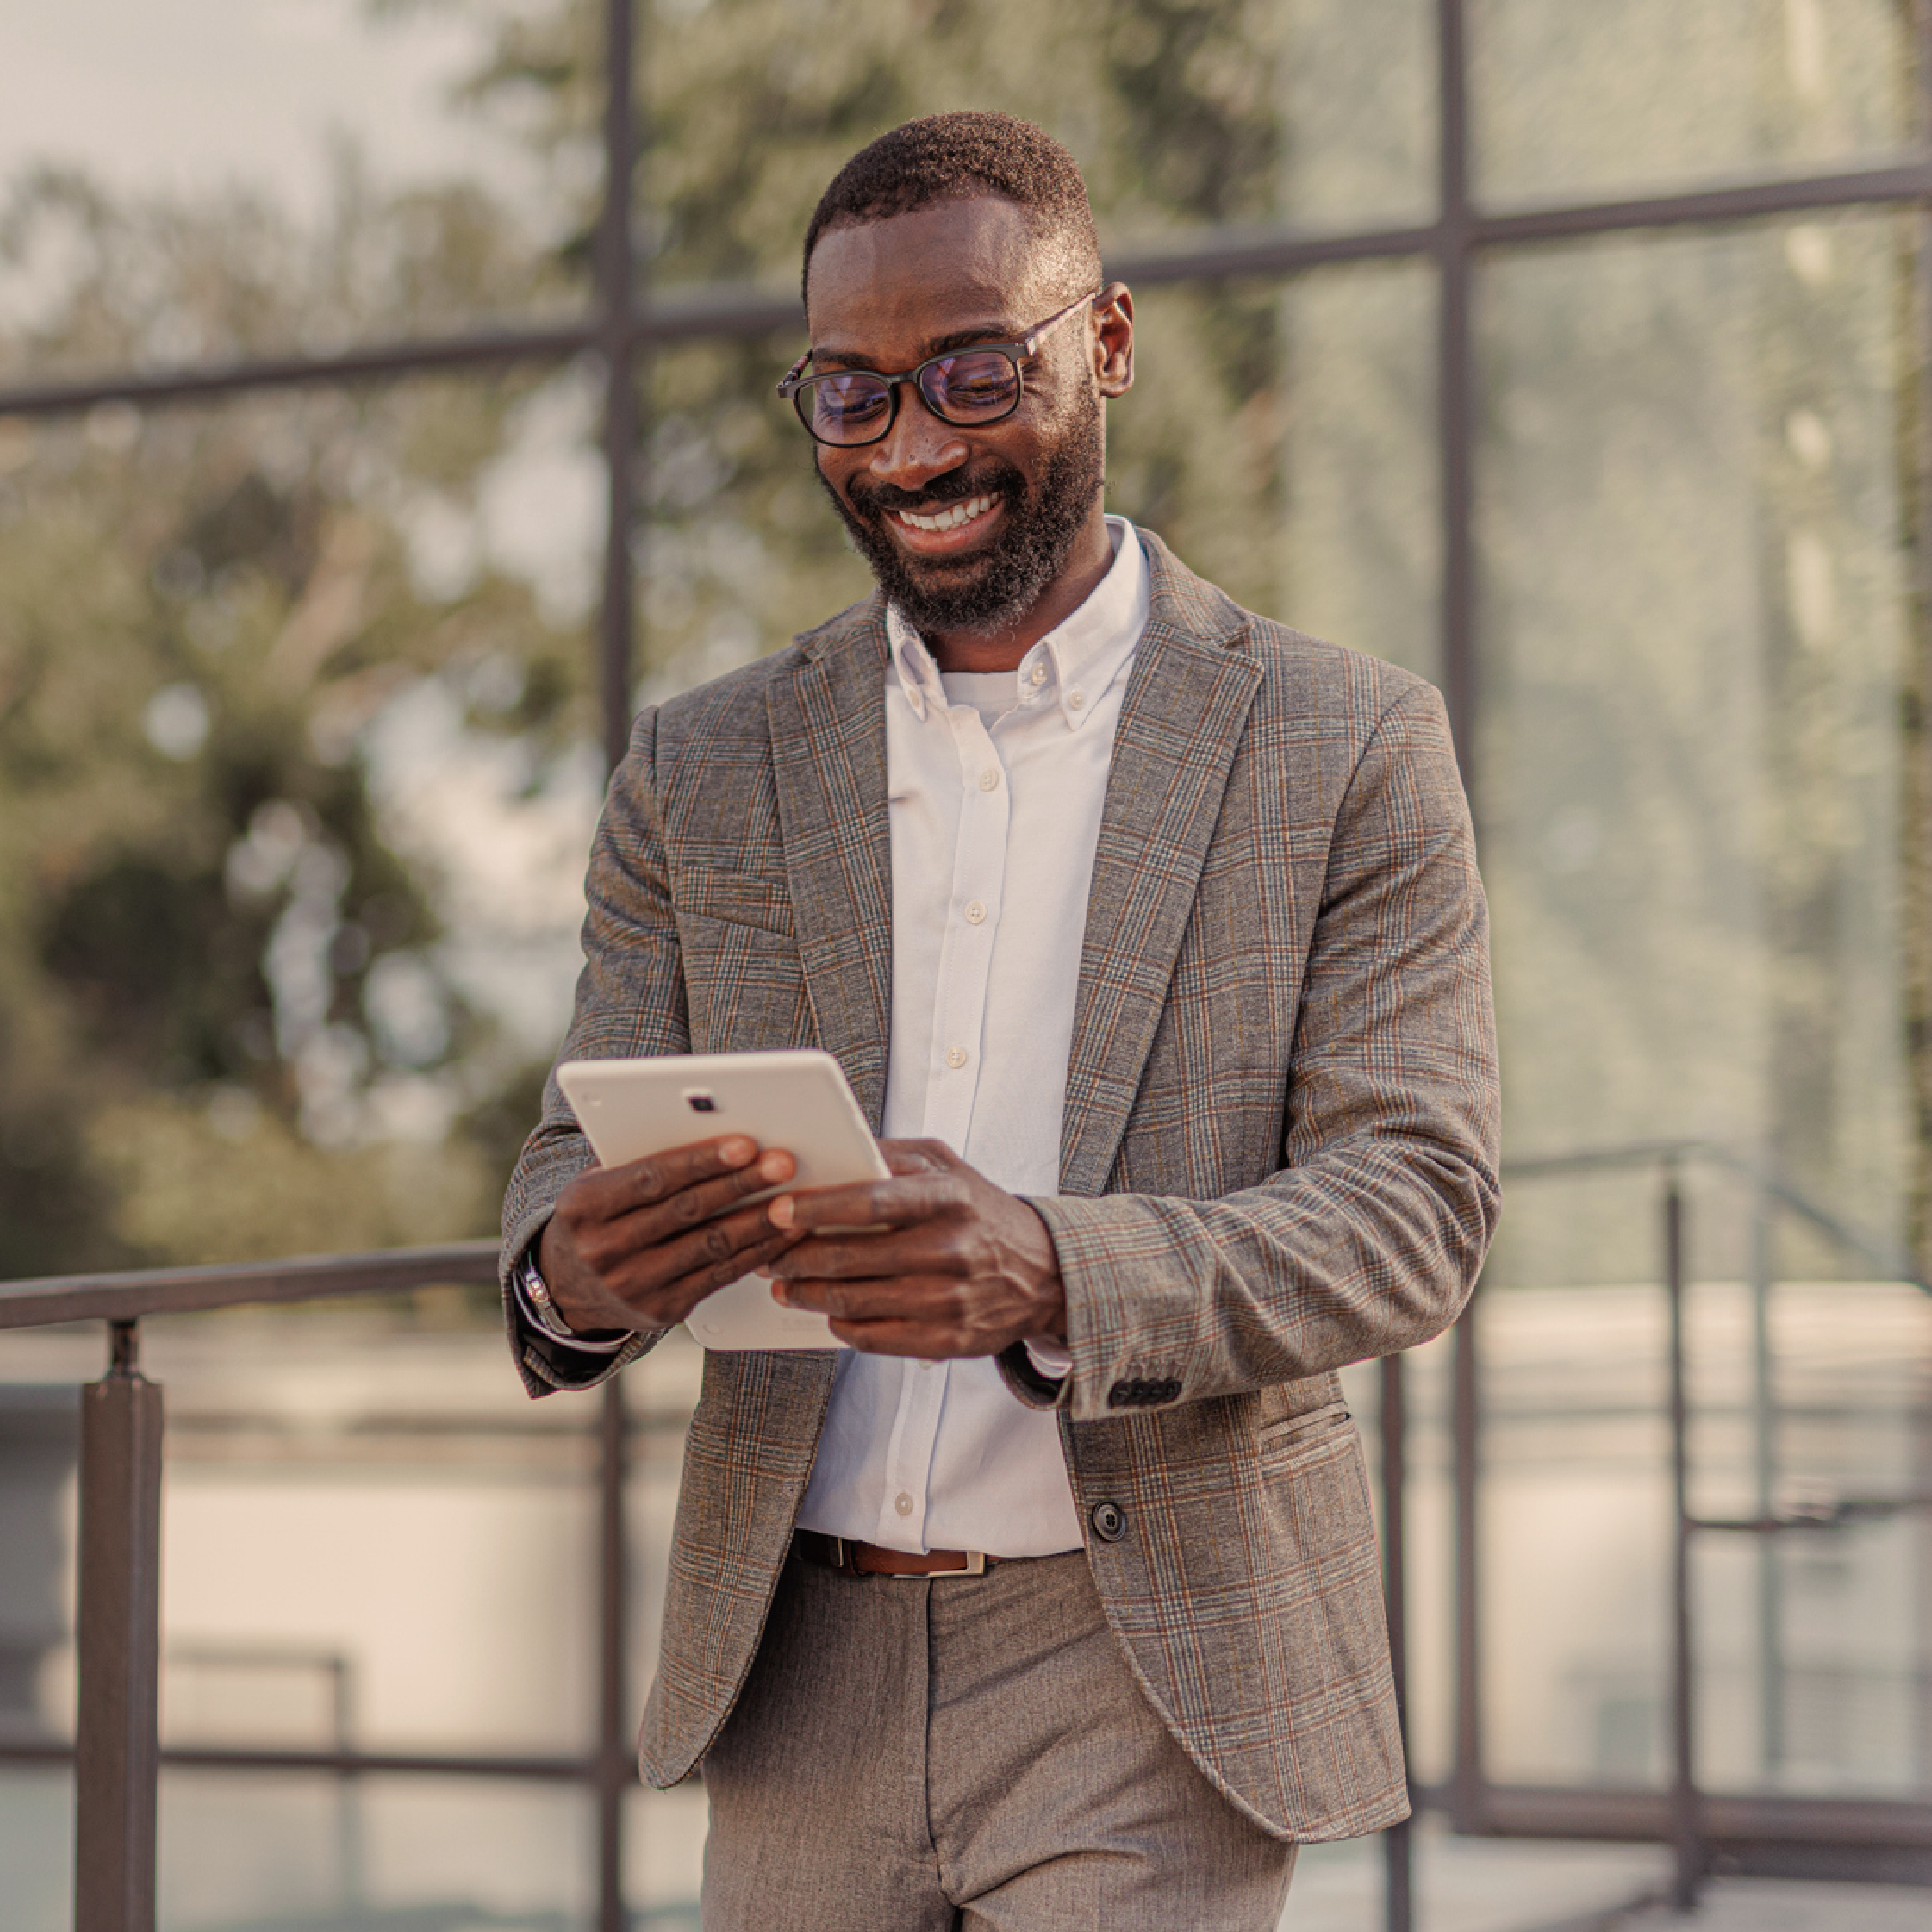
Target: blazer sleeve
x: 631, y: 1000
x: 1369, y: 1237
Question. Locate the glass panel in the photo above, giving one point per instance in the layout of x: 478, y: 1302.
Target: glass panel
x: 665, y: 1856
x: 1317, y: 110
x: 1638, y: 95
x: 1693, y: 501
x: 742, y: 550
x: 295, y: 786
x: 1363, y: 562
x: 375, y: 1540
x: 1691, y: 764
x: 241, y: 1849
x: 225, y: 177
x: 36, y: 1848
x: 1360, y: 134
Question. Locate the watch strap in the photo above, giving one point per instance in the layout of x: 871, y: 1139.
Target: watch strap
x: 534, y: 1300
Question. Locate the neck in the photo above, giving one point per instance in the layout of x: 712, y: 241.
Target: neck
x: 1000, y: 650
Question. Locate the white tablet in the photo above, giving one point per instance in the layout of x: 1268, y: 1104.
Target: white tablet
x: 799, y: 1101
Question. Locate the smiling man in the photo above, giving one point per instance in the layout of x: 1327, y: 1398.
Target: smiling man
x: 1149, y: 934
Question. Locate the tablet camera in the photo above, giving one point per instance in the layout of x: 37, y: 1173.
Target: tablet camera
x: 701, y: 1103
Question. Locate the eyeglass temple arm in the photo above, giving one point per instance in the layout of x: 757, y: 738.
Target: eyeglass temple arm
x: 1101, y: 298
x: 788, y: 381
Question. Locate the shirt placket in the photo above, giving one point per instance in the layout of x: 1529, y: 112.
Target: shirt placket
x: 958, y: 1032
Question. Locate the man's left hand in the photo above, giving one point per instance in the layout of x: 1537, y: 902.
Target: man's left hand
x: 948, y: 1266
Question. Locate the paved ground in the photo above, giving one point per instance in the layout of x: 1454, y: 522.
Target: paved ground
x: 1477, y: 1884
x: 1753, y: 1905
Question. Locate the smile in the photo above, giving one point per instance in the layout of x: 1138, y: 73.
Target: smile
x: 955, y: 517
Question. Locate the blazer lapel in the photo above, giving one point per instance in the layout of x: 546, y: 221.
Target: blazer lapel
x: 1187, y: 699
x: 828, y: 754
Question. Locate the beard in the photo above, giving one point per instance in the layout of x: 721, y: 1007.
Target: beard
x: 992, y: 588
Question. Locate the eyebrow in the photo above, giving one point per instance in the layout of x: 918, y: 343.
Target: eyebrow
x: 940, y: 345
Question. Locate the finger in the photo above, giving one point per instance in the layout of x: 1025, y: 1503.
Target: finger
x: 691, y: 1206
x: 678, y: 1297
x: 905, y: 1338
x: 893, y: 1204
x: 926, y: 1247
x: 723, y: 1243
x: 924, y: 1300
x: 655, y: 1176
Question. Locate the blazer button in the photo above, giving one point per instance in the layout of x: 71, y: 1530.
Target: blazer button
x: 1109, y: 1520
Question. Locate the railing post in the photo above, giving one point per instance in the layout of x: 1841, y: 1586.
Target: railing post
x: 117, y: 1750
x: 1686, y: 1825
x: 1764, y: 1487
x: 1397, y: 1842
x: 616, y: 1745
x: 1467, y: 1782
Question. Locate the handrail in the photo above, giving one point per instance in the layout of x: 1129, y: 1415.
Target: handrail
x: 134, y: 1294
x: 115, y: 1751
x: 1897, y: 1264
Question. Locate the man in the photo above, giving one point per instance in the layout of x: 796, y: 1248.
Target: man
x: 1149, y: 935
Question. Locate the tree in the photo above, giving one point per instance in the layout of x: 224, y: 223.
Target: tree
x: 220, y: 983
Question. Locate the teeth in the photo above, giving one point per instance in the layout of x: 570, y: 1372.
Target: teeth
x: 948, y: 520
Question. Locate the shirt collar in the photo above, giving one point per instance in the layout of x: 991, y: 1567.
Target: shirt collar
x: 1075, y: 662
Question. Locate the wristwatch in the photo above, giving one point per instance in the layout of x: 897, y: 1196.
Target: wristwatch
x: 536, y: 1302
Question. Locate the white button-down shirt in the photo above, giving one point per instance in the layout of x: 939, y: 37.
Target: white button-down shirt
x: 995, y: 785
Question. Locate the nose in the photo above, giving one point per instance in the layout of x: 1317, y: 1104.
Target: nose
x: 917, y: 447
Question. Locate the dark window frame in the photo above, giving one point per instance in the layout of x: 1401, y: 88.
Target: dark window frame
x: 627, y: 320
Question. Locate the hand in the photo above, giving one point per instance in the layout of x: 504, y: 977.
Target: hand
x: 948, y: 1266
x: 640, y: 1246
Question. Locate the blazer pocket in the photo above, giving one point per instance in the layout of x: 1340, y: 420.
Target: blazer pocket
x: 1293, y: 1435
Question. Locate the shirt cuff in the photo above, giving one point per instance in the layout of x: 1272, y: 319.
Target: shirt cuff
x: 1053, y: 1360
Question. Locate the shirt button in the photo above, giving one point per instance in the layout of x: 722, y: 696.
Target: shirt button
x: 955, y: 1055
x: 1038, y: 673
x: 974, y: 913
x: 989, y: 781
x: 1074, y: 699
x: 902, y: 1503
x: 925, y: 1365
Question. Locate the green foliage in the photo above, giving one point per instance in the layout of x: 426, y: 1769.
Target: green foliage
x: 202, y: 612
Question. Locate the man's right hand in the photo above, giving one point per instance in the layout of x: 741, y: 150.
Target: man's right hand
x: 640, y: 1246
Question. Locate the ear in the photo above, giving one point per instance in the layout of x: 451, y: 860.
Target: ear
x: 1113, y: 340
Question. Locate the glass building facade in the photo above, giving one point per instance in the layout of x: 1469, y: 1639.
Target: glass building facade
x: 1572, y: 357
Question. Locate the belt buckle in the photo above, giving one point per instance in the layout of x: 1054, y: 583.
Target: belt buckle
x: 973, y: 1566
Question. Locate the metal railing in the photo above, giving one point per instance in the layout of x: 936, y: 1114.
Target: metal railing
x: 1769, y: 1833
x: 115, y: 1754
x: 117, y: 1758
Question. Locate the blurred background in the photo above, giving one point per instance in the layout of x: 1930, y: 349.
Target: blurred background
x: 1575, y: 356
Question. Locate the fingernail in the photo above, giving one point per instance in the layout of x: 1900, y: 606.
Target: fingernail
x: 781, y: 1212
x: 779, y: 1295
x: 737, y: 1150
x: 776, y: 1166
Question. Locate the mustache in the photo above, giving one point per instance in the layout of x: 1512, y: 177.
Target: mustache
x: 957, y: 486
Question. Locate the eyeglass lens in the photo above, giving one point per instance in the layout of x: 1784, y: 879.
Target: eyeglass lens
x: 973, y: 386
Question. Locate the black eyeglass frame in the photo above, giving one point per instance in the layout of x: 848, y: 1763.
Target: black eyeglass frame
x: 794, y: 386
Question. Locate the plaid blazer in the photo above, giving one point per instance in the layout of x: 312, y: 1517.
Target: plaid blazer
x: 1279, y: 1152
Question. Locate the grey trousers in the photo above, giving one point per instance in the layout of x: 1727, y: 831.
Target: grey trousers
x: 916, y: 1756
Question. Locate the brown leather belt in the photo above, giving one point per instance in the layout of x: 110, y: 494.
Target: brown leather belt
x: 852, y: 1558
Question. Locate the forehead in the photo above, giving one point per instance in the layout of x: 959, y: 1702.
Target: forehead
x: 888, y: 288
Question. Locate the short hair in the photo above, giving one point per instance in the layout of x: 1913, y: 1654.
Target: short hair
x: 948, y: 157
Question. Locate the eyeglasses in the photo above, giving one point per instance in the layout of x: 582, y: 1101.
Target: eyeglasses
x: 967, y: 387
